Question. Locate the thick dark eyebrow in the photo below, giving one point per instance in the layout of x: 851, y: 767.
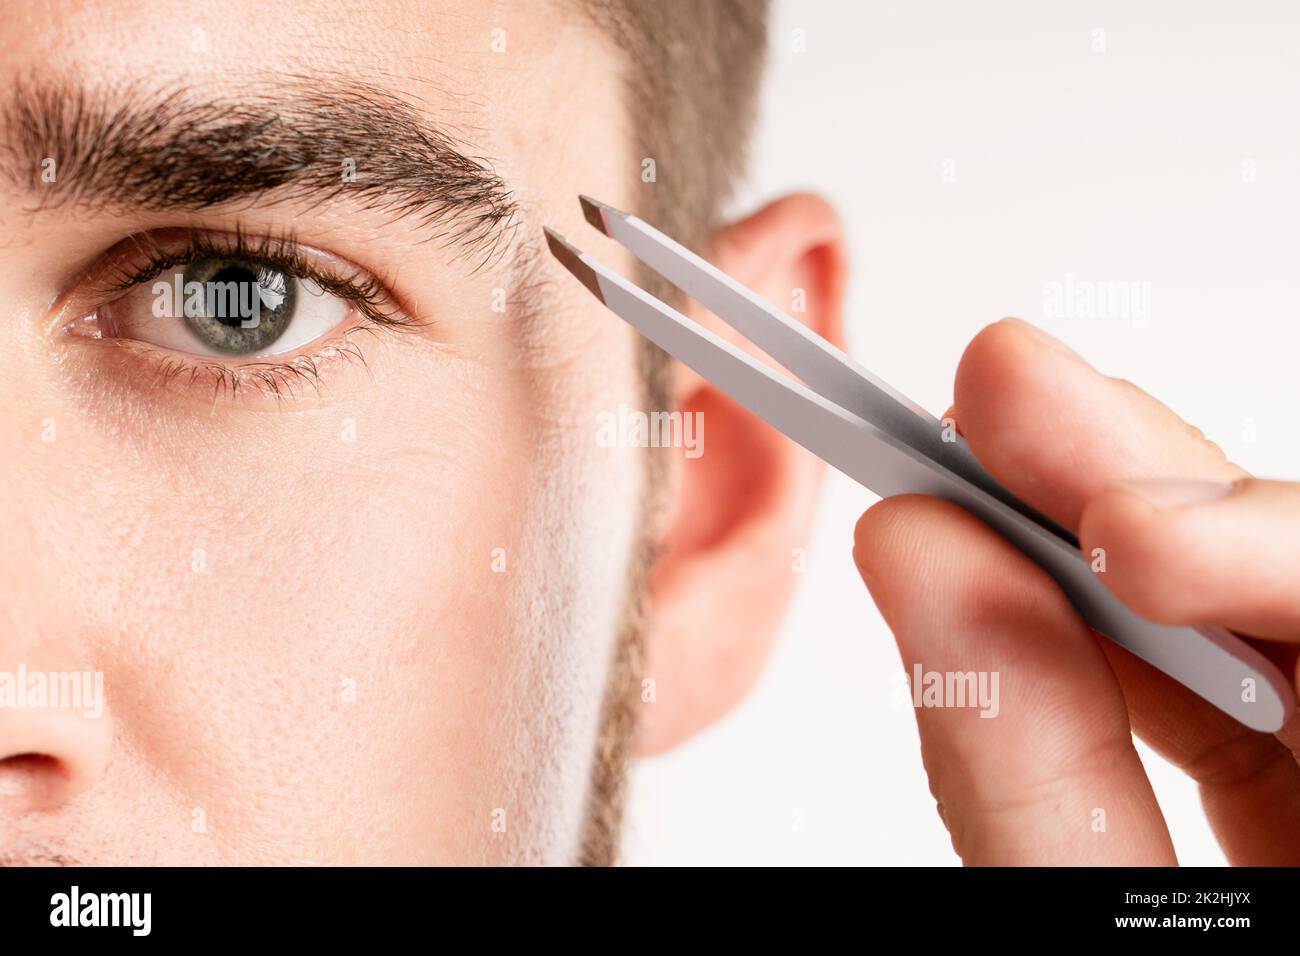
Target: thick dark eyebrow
x: 303, y: 140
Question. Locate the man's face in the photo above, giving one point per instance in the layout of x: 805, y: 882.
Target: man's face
x: 358, y: 612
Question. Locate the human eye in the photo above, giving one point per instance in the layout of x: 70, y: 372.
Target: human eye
x: 230, y: 310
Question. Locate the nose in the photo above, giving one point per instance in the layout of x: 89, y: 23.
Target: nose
x: 54, y: 737
x: 55, y: 726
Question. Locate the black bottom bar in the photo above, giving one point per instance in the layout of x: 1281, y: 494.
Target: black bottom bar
x: 1144, y: 906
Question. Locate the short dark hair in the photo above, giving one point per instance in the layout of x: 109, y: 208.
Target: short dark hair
x: 692, y: 86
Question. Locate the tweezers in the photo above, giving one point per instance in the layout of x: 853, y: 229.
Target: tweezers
x: 860, y: 425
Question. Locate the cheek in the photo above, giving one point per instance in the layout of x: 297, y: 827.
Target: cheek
x: 367, y: 633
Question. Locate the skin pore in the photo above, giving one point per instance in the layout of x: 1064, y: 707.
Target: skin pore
x: 368, y: 615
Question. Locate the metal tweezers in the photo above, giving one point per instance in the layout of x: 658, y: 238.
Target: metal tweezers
x: 852, y: 420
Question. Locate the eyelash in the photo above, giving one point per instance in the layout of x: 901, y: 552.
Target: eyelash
x: 280, y: 253
x: 145, y: 258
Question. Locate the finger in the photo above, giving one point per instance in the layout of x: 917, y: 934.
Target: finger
x: 1249, y: 782
x: 1051, y: 776
x: 1057, y: 433
x: 1183, y: 552
x: 1188, y: 552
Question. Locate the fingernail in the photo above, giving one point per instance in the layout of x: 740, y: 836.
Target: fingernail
x: 1046, y: 340
x: 1166, y: 493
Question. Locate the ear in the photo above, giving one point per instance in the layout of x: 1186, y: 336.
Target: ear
x: 731, y: 555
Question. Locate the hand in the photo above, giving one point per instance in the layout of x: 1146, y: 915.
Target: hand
x: 1188, y: 538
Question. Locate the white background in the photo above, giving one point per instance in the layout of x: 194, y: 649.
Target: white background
x: 1126, y: 165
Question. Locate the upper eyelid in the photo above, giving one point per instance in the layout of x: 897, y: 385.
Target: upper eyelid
x: 141, y: 257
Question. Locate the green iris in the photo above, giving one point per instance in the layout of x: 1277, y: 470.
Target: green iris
x: 236, y: 306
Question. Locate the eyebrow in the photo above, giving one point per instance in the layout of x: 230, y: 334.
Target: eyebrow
x: 304, y: 140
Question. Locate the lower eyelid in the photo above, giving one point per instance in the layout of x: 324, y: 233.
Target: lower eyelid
x: 268, y: 381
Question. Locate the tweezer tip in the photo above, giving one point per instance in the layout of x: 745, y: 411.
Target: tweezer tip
x: 594, y: 210
x: 571, y: 259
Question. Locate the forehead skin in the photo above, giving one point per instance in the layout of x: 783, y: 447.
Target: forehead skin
x: 346, y: 678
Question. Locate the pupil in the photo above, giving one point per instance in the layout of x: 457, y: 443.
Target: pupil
x: 240, y: 275
x: 244, y: 306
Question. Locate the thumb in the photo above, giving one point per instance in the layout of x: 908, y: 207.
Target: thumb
x: 1048, y: 773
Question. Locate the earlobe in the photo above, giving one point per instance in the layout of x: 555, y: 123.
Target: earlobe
x: 731, y: 558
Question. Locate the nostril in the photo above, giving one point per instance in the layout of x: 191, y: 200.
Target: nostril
x: 30, y: 763
x: 48, y: 755
x: 31, y: 774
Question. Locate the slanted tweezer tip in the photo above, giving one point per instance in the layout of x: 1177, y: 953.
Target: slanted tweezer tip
x: 594, y: 210
x: 591, y: 211
x: 571, y: 259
